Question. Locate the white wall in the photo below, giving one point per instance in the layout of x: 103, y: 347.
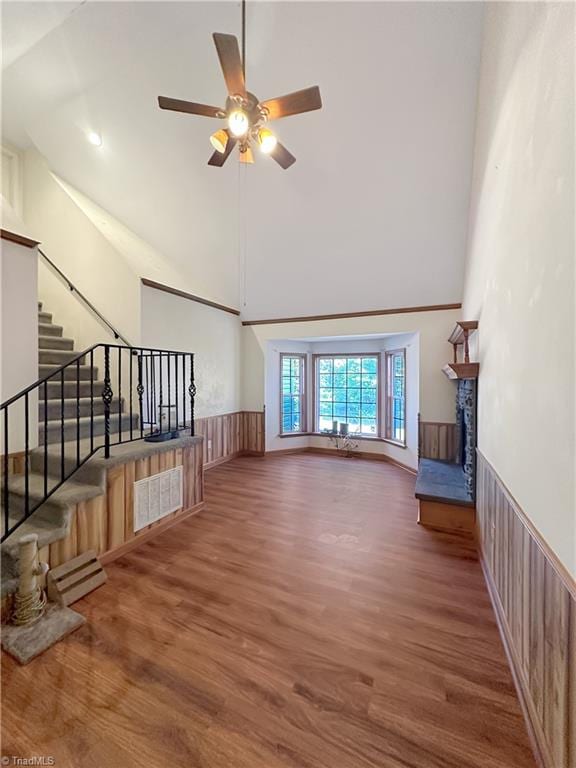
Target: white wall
x: 18, y: 338
x: 407, y: 455
x: 174, y: 323
x: 520, y: 271
x: 71, y: 240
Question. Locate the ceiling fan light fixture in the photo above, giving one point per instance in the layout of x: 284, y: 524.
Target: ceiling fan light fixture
x: 238, y: 123
x: 267, y: 140
x: 219, y: 140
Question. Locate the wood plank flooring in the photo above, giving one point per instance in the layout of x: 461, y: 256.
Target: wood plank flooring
x: 301, y: 620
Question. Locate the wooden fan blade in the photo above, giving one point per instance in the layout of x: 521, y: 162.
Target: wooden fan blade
x: 293, y: 103
x: 231, y: 63
x: 176, y: 105
x: 282, y: 156
x: 219, y: 158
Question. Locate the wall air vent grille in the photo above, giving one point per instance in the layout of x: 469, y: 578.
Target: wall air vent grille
x: 157, y: 496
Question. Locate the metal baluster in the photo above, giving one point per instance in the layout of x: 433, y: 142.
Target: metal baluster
x: 183, y: 391
x: 62, y: 425
x: 168, y: 360
x: 176, y: 388
x: 148, y: 404
x: 107, y: 399
x: 161, y: 394
x: 45, y: 438
x: 77, y: 412
x: 131, y: 428
x: 6, y: 473
x: 140, y: 391
x: 91, y: 401
x: 26, y: 456
x: 119, y: 395
x: 192, y: 393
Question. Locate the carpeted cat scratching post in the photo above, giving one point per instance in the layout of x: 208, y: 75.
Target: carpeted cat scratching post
x: 35, y: 625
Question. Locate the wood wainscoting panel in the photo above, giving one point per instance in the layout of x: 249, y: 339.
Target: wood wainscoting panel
x: 106, y: 523
x: 438, y: 440
x: 535, y: 601
x: 230, y: 434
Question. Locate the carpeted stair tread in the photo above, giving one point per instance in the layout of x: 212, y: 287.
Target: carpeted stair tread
x: 48, y: 329
x: 85, y: 403
x: 55, y: 342
x: 84, y: 372
x: 58, y: 357
x: 45, y: 317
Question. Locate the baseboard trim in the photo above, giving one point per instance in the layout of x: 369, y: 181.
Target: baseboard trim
x: 151, y: 533
x: 535, y: 732
x: 335, y: 454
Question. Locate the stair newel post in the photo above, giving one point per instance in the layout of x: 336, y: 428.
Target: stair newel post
x: 192, y: 393
x: 140, y: 391
x: 107, y: 399
x: 183, y: 391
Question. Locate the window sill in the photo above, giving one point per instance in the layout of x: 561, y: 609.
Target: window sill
x: 397, y: 443
x: 374, y: 439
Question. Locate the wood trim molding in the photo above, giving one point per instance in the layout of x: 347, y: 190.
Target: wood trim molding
x: 185, y: 295
x: 13, y: 237
x: 334, y: 453
x: 150, y: 533
x: 344, y: 315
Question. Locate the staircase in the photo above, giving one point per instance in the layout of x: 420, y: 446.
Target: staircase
x: 80, y: 393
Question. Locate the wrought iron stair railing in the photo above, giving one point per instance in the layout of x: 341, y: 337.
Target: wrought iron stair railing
x: 56, y: 424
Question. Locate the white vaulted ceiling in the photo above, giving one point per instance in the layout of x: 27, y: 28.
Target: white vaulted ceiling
x: 372, y: 215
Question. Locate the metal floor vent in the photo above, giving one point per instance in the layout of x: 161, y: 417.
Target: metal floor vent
x: 157, y: 496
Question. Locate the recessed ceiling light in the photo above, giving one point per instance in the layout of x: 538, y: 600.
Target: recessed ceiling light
x: 95, y: 139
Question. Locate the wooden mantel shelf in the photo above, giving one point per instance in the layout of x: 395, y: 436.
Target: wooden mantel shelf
x: 458, y: 335
x: 459, y: 338
x: 461, y: 370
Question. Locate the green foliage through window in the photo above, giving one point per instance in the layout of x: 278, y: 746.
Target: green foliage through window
x: 292, y: 390
x: 347, y: 391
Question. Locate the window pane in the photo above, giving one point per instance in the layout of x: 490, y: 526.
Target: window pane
x: 339, y: 365
x: 340, y: 411
x: 369, y: 380
x: 339, y: 379
x: 326, y: 409
x: 369, y: 395
x: 339, y: 395
x: 368, y: 410
x: 326, y: 380
x: 325, y: 365
x: 354, y: 380
x: 353, y: 411
x: 369, y: 426
x: 325, y: 394
x: 369, y: 365
x: 354, y: 364
x: 353, y: 395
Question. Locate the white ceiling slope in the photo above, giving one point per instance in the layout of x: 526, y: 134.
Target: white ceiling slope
x: 373, y: 214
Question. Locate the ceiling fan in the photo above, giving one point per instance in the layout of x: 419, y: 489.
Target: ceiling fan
x: 246, y: 116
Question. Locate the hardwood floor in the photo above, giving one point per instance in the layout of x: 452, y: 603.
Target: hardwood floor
x: 302, y: 619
